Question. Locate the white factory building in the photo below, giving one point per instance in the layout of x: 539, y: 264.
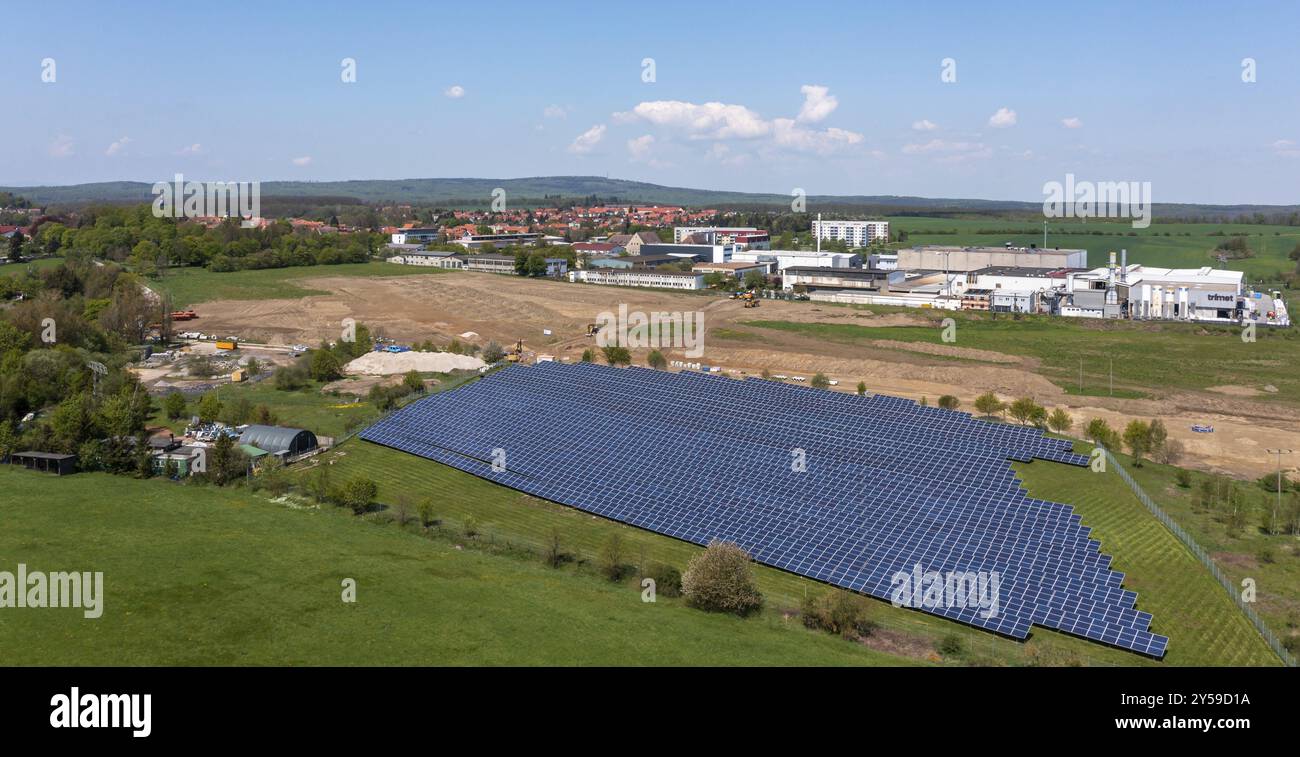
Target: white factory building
x: 944, y: 258
x: 852, y: 233
x: 1145, y: 292
x: 639, y: 277
x: 783, y: 259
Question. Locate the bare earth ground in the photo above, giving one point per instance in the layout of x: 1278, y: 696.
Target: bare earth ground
x: 507, y: 309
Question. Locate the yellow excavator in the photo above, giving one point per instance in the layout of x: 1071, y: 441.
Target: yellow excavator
x: 592, y: 328
x: 517, y: 353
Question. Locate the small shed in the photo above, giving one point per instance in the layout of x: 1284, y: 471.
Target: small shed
x: 46, y: 462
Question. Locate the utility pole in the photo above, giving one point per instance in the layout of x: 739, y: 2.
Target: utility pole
x: 1044, y: 235
x: 1080, y: 375
x: 1112, y: 377
x: 1277, y: 508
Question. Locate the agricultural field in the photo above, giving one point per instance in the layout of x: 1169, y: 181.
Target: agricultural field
x: 188, y: 286
x: 1206, y: 628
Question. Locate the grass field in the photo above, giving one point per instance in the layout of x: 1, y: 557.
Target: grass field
x: 1169, y: 245
x: 1147, y: 356
x: 1190, y: 607
x: 188, y: 286
x: 203, y: 576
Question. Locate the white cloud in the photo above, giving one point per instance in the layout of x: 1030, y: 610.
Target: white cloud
x: 62, y: 147
x: 587, y: 141
x: 949, y: 152
x: 640, y: 146
x: 818, y: 103
x: 1003, y: 118
x: 554, y: 111
x: 1073, y: 122
x: 924, y: 125
x: 711, y: 120
x: 1286, y: 148
x: 117, y: 146
x: 455, y: 91
x: 193, y: 149
x: 787, y: 133
x: 724, y: 121
x: 303, y: 161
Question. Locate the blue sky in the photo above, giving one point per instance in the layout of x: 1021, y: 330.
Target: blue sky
x: 834, y: 98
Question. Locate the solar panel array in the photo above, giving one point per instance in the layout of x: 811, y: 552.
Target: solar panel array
x: 887, y: 484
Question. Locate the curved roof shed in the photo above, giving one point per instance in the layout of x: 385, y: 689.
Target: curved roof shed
x: 279, y: 439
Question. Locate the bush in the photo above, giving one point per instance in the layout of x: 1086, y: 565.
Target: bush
x: 656, y: 360
x: 951, y: 645
x: 174, y: 405
x: 1184, y: 478
x: 493, y: 353
x: 839, y: 612
x: 358, y: 493
x: 820, y: 381
x: 949, y: 402
x: 668, y: 580
x: 612, y: 565
x: 719, y: 579
x: 426, y: 513
x: 554, y: 555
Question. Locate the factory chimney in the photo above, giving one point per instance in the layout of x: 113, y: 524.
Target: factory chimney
x: 1123, y: 265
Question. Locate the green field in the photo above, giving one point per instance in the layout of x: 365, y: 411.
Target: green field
x: 204, y: 576
x: 1148, y: 357
x: 1166, y: 245
x: 188, y: 286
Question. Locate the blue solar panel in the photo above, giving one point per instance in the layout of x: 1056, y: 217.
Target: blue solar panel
x: 886, y: 485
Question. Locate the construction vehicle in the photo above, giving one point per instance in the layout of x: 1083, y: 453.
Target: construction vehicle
x: 227, y: 344
x: 516, y: 354
x: 592, y: 329
x: 751, y: 303
x: 184, y: 315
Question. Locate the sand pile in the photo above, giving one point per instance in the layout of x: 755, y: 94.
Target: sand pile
x: 385, y: 363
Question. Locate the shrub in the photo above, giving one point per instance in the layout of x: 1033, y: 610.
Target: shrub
x: 719, y: 579
x: 839, y: 612
x: 174, y: 405
x: 1184, y: 478
x: 612, y: 564
x: 493, y: 353
x: 554, y: 554
x: 656, y: 360
x: 668, y: 580
x: 951, y: 645
x: 949, y: 402
x: 358, y: 493
x: 426, y: 513
x: 820, y: 381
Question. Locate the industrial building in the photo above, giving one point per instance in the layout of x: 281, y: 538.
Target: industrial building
x: 728, y: 235
x: 640, y: 277
x: 813, y: 278
x: 416, y: 236
x: 783, y: 259
x: 490, y: 262
x: 938, y: 258
x: 429, y: 258
x: 734, y: 269
x: 475, y: 241
x: 700, y: 253
x: 852, y: 233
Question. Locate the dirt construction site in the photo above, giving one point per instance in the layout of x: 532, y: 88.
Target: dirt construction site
x: 506, y: 309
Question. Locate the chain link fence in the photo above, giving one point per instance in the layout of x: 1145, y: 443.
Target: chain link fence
x: 1204, y: 557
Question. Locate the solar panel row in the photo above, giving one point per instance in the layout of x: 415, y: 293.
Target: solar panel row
x: 856, y: 491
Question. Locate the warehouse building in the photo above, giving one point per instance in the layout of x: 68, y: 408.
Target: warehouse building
x: 812, y: 278
x: 726, y: 235
x: 779, y: 260
x: 700, y: 253
x: 640, y: 277
x: 475, y: 241
x: 429, y: 258
x: 733, y: 269
x: 491, y: 262
x: 938, y: 258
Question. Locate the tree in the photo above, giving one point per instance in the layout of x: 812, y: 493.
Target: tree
x: 325, y: 366
x: 988, y: 404
x: 656, y: 360
x: 588, y: 356
x: 1137, y: 437
x: 174, y: 405
x: 949, y: 402
x: 413, y: 382
x: 1157, y: 437
x: 616, y: 355
x: 358, y: 493
x: 209, y: 408
x: 226, y: 462
x: 16, y: 247
x: 427, y: 512
x: 1059, y: 421
x: 1025, y: 410
x: 719, y: 579
x: 493, y: 353
x: 612, y: 563
x: 537, y: 264
x: 862, y: 388
x: 755, y: 280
